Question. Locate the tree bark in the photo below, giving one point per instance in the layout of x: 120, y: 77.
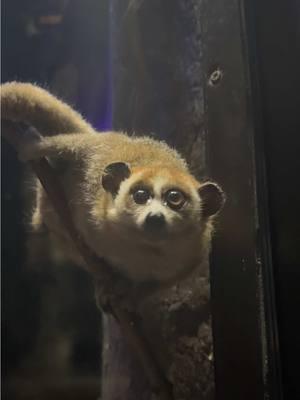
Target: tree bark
x: 158, y: 89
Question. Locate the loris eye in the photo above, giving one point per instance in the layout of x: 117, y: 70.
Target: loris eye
x: 175, y: 199
x: 141, y: 196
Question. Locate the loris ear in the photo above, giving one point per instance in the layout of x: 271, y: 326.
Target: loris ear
x: 212, y: 198
x: 113, y: 175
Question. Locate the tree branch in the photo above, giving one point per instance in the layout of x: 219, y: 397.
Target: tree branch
x: 102, y: 272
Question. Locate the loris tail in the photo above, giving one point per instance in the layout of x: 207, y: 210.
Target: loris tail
x: 24, y: 102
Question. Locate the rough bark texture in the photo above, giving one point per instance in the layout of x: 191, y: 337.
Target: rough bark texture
x: 158, y: 77
x: 158, y: 88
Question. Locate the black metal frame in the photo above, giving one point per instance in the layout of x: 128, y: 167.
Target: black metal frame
x: 276, y: 54
x: 270, y: 340
x: 247, y: 363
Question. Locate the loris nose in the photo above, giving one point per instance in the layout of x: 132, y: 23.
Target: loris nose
x: 155, y: 221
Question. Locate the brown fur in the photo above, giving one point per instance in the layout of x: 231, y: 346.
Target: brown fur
x: 176, y: 177
x: 111, y: 225
x: 29, y: 103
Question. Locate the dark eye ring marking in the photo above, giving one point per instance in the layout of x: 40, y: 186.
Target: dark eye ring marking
x: 141, y: 195
x: 175, y: 199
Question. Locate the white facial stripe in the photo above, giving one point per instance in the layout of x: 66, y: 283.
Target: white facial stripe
x: 156, y: 207
x: 159, y: 183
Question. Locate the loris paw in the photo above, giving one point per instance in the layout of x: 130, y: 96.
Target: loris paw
x: 118, y: 292
x: 28, y: 148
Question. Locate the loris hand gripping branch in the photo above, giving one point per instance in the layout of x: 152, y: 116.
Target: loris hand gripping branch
x: 133, y: 199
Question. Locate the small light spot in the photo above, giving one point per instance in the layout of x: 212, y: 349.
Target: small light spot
x: 215, y: 77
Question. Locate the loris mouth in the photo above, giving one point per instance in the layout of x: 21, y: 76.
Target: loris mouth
x: 154, y: 248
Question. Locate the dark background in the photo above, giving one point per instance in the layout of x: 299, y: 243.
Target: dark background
x: 278, y: 58
x: 51, y: 329
x: 71, y: 57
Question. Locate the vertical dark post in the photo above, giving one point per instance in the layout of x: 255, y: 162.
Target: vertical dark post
x: 245, y: 327
x: 235, y: 268
x: 158, y: 89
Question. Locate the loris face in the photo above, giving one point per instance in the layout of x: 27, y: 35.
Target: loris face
x: 158, y: 202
